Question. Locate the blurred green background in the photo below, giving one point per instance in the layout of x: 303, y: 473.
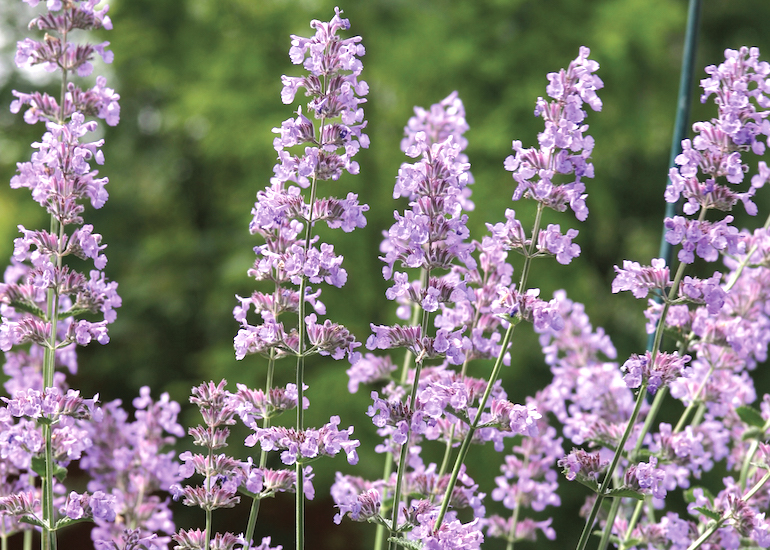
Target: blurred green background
x: 200, y: 88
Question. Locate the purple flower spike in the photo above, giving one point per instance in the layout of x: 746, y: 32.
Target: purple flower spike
x: 564, y: 150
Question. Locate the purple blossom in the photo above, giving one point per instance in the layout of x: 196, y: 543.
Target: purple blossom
x: 563, y: 147
x: 738, y: 86
x: 298, y: 446
x: 640, y: 280
x: 665, y: 369
x: 647, y: 476
x: 588, y: 466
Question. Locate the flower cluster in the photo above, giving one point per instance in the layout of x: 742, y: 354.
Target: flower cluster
x: 564, y: 149
x: 284, y: 218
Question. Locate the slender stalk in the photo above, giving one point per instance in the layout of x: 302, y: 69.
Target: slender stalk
x: 381, y: 533
x: 255, y: 503
x: 514, y: 524
x: 608, y: 476
x: 403, y: 458
x: 632, y: 523
x: 48, y: 536
x: 465, y: 446
x: 605, y: 540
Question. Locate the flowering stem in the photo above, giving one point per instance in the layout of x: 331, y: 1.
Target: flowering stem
x: 714, y: 526
x: 745, y: 261
x: 632, y: 523
x: 402, y: 461
x: 605, y: 540
x: 514, y: 523
x: 750, y: 456
x: 608, y: 475
x: 379, y: 541
x: 254, y: 513
x: 465, y: 446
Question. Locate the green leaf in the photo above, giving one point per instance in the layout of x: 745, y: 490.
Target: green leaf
x: 750, y: 416
x: 38, y: 466
x: 32, y: 520
x: 621, y: 492
x: 711, y: 514
x: 65, y: 522
x: 408, y: 544
x: 753, y: 433
x: 588, y: 482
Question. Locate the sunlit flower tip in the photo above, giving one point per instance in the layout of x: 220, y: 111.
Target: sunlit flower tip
x: 515, y: 418
x: 20, y: 504
x: 641, y: 280
x: 360, y: 508
x: 667, y: 367
x: 588, y: 466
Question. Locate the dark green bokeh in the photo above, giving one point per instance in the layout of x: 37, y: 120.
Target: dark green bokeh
x: 200, y: 85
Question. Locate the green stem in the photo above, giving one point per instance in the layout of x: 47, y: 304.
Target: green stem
x: 608, y: 476
x: 403, y: 458
x: 255, y: 503
x: 632, y: 523
x: 465, y: 446
x: 605, y: 540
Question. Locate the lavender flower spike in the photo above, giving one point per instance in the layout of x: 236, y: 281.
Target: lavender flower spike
x: 563, y: 147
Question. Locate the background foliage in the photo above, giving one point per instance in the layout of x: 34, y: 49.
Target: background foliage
x: 200, y: 84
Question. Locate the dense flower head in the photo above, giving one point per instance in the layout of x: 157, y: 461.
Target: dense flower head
x: 133, y: 459
x: 303, y: 445
x: 564, y: 149
x: 336, y: 94
x: 739, y: 87
x: 661, y: 372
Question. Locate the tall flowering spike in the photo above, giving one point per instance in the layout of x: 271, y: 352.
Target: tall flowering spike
x: 61, y: 177
x: 738, y: 86
x: 284, y: 218
x: 336, y: 94
x: 564, y: 149
x: 432, y: 235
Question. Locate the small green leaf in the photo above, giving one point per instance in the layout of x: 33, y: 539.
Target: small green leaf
x: 38, y: 466
x: 408, y: 544
x: 65, y: 522
x: 711, y: 514
x: 32, y: 520
x: 750, y: 416
x: 588, y: 482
